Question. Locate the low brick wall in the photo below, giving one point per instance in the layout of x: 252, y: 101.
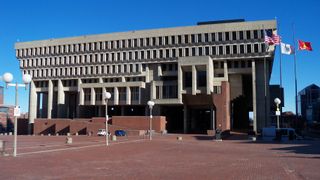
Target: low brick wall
x: 140, y: 122
x: 134, y: 125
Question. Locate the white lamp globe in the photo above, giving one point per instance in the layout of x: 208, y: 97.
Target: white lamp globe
x: 277, y: 101
x: 26, y: 78
x: 107, y: 95
x: 150, y: 104
x: 7, y: 77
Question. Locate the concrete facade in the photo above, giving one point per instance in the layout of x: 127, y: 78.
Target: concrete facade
x: 196, y: 75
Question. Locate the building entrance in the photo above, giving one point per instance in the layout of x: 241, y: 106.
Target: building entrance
x: 200, y: 120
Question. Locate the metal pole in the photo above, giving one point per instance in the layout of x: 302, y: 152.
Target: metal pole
x: 15, y: 124
x: 107, y: 138
x: 295, y: 73
x: 278, y: 125
x: 150, y: 121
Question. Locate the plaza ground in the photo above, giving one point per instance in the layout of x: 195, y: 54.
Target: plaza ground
x: 195, y: 157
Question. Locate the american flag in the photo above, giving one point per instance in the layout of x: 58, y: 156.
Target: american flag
x: 270, y: 38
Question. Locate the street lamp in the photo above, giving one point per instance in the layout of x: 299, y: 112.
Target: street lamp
x: 150, y: 104
x: 107, y: 96
x: 7, y: 77
x: 277, y: 101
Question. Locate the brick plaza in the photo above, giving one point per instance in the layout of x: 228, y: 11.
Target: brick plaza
x: 195, y: 157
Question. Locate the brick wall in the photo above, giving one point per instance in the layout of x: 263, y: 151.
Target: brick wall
x: 222, y: 103
x: 134, y: 125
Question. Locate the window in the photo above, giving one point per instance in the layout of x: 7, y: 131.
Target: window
x: 134, y: 93
x: 248, y: 48
x: 199, y: 38
x: 241, y: 35
x: 220, y: 36
x: 235, y: 49
x: 227, y: 36
x: 255, y: 34
x: 213, y: 37
x: 193, y: 38
x: 173, y: 40
x: 220, y: 50
x: 217, y: 89
x: 248, y: 35
x: 228, y: 50
x: 201, y: 78
x: 241, y: 49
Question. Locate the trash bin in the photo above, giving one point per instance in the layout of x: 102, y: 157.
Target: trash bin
x: 218, y: 134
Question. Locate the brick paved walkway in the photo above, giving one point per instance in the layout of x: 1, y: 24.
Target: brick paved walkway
x: 195, y: 157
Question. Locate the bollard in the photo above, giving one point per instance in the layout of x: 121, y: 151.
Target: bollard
x: 10, y: 133
x: 179, y: 138
x: 114, y: 137
x: 49, y: 134
x: 68, y: 134
x: 57, y: 134
x: 69, y: 140
x: 77, y: 134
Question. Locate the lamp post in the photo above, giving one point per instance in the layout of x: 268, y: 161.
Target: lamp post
x: 107, y: 96
x: 277, y: 101
x: 7, y: 77
x: 150, y: 104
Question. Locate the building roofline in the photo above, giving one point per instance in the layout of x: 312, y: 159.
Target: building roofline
x: 219, y: 27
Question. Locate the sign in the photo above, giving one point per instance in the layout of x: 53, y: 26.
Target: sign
x: 277, y: 113
x: 16, y: 112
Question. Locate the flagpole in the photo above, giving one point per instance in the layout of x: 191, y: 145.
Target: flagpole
x: 295, y: 72
x: 265, y: 81
x: 280, y: 66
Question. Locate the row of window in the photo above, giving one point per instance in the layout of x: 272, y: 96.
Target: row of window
x: 146, y: 54
x: 141, y: 42
x: 122, y: 92
x: 87, y: 70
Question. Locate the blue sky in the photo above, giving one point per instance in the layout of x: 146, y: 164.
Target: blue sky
x: 22, y: 20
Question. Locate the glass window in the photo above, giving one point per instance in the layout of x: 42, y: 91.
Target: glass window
x: 220, y: 36
x: 227, y: 36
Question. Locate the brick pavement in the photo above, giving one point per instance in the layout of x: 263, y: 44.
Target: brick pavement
x: 164, y: 157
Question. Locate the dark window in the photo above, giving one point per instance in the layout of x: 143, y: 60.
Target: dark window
x: 234, y: 35
x: 214, y: 52
x: 255, y: 34
x: 236, y: 64
x: 179, y: 39
x: 160, y: 41
x: 187, y: 51
x: 200, y: 51
x: 241, y: 35
x: 227, y: 36
x: 228, y: 50
x: 220, y: 50
x: 193, y: 38
x: 248, y: 35
x: 248, y: 48
x: 235, y: 50
x: 166, y: 40
x: 256, y: 48
x: 220, y: 36
x: 201, y: 78
x: 207, y: 50
x: 206, y: 37
x: 174, y: 53
x: 187, y: 79
x: 186, y: 39
x: 173, y: 40
x: 213, y: 37
x: 241, y: 49
x: 193, y: 51
x: 243, y: 64
x: 199, y: 38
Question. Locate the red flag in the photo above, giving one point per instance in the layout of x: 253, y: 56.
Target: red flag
x: 305, y: 45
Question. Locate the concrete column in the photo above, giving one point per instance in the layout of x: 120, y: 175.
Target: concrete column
x: 209, y: 73
x: 185, y: 119
x: 159, y: 70
x: 50, y: 97
x: 254, y: 96
x: 147, y: 74
x: 128, y: 100
x: 194, y: 80
x: 32, y: 106
x: 93, y: 97
x: 61, y: 97
x: 225, y: 70
x: 180, y: 83
x: 116, y: 96
x: 213, y: 119
x: 103, y: 96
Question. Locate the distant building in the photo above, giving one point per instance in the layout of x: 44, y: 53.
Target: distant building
x: 309, y: 103
x: 200, y: 77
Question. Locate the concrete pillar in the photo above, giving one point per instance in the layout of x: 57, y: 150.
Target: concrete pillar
x: 147, y: 74
x: 180, y: 83
x: 50, y: 97
x: 61, y: 97
x: 213, y: 119
x: 254, y: 96
x: 209, y: 69
x: 32, y: 106
x: 116, y: 96
x: 128, y: 97
x: 194, y: 80
x: 185, y: 119
x: 93, y: 97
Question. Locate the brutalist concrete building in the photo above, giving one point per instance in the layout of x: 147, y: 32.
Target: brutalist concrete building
x: 202, y: 77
